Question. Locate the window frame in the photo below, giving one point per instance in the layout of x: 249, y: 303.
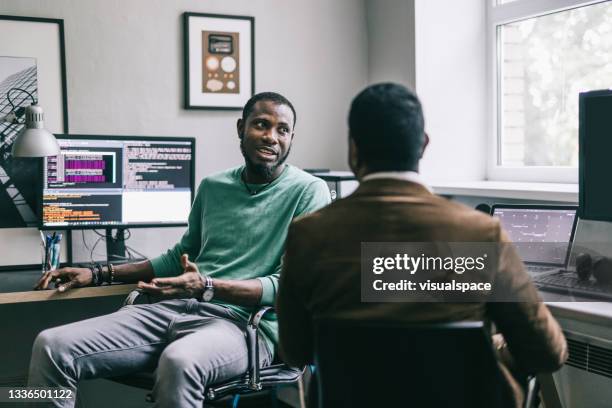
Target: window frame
x: 497, y: 15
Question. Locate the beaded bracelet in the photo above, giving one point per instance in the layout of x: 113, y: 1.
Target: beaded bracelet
x: 111, y: 273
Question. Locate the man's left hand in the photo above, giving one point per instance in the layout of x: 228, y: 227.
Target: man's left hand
x: 187, y: 285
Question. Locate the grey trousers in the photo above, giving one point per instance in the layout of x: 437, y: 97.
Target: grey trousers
x: 192, y: 344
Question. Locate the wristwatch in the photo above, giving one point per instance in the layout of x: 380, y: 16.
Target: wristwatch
x: 209, y: 290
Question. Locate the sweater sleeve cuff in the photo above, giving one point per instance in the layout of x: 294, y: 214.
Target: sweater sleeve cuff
x: 268, y: 291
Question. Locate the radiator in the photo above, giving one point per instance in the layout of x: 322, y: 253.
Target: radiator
x: 586, y: 379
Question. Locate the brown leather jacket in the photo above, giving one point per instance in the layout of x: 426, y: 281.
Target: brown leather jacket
x: 321, y: 273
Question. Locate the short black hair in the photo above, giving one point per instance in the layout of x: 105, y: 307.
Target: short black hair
x: 387, y: 125
x: 267, y: 96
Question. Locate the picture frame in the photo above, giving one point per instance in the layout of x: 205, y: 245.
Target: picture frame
x: 219, y: 61
x: 33, y: 59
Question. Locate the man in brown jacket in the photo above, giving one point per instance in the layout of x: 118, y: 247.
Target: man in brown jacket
x: 322, y: 265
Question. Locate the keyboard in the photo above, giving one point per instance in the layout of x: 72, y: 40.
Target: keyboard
x: 537, y: 269
x: 567, y: 282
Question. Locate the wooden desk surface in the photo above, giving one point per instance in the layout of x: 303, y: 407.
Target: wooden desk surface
x: 578, y: 308
x: 562, y: 306
x: 598, y: 313
x: 52, y: 294
x: 16, y: 287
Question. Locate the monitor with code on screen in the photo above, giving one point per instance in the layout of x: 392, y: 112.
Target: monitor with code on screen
x: 118, y: 182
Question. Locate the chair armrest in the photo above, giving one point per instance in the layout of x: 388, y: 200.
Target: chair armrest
x: 256, y: 317
x: 252, y: 337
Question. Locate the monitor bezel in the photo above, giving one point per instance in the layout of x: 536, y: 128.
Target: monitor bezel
x: 545, y: 207
x: 583, y: 96
x: 44, y: 227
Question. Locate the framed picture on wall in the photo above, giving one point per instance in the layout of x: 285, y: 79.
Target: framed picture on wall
x: 32, y: 68
x: 219, y: 58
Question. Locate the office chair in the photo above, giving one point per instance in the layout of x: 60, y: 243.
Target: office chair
x: 362, y: 364
x: 255, y: 379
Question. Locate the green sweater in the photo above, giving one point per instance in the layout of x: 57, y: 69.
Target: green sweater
x: 235, y: 235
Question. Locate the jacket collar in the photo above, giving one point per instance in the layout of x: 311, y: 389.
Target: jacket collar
x: 391, y: 187
x: 412, y: 176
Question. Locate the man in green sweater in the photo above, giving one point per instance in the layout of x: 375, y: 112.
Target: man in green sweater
x: 226, y: 263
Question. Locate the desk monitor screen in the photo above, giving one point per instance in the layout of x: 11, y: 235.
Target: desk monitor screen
x: 595, y: 155
x: 542, y: 234
x: 118, y: 182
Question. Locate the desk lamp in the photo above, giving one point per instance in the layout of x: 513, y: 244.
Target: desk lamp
x: 33, y: 140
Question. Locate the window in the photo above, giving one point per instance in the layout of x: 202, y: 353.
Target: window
x: 544, y: 53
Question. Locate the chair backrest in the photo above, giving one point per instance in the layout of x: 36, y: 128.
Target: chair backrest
x: 363, y: 364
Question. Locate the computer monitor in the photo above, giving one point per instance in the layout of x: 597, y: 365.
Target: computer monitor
x: 118, y: 182
x: 595, y: 155
x: 542, y: 234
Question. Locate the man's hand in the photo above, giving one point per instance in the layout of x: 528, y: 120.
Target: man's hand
x: 187, y: 285
x: 65, y: 278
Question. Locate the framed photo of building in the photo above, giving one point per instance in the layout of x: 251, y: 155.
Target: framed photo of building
x: 218, y: 60
x: 32, y: 67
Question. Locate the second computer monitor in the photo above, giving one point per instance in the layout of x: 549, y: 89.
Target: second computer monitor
x: 542, y: 233
x: 118, y: 182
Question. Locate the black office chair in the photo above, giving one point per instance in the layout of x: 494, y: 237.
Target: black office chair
x: 254, y: 380
x: 424, y: 365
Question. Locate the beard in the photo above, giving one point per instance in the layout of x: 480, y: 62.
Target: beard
x: 265, y: 170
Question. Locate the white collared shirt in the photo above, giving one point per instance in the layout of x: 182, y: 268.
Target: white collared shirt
x: 411, y: 176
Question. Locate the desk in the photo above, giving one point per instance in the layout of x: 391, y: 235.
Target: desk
x: 597, y: 313
x: 16, y: 287
x: 579, y: 308
x: 25, y: 313
x: 52, y: 294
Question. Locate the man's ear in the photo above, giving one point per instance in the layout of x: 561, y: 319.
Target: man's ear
x: 425, y: 144
x: 240, y: 128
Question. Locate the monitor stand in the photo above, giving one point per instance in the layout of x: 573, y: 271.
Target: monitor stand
x: 115, y: 246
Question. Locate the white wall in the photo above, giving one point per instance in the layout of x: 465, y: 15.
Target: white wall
x: 124, y: 67
x: 124, y: 64
x: 391, y: 41
x: 438, y: 48
x: 452, y: 84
